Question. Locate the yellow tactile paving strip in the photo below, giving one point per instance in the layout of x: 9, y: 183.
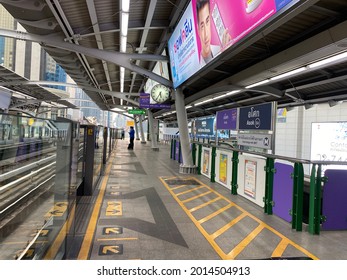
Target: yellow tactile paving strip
x: 211, y: 238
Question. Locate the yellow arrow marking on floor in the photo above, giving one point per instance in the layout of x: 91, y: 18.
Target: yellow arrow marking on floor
x: 111, y: 248
x: 114, y: 208
x: 112, y: 230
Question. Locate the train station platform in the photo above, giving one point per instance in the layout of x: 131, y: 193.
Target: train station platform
x: 143, y: 208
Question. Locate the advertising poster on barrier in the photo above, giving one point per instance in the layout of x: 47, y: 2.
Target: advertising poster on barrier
x: 250, y: 177
x: 223, y: 164
x: 206, y: 162
x: 329, y: 143
x: 207, y: 29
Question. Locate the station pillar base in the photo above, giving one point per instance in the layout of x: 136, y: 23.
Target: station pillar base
x: 188, y: 169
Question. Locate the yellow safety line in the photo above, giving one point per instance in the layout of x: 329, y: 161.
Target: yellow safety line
x: 266, y: 226
x: 204, y: 204
x: 179, y: 187
x: 281, y: 247
x: 190, y: 190
x: 117, y: 239
x: 58, y: 241
x: 208, y: 236
x: 227, y: 226
x: 195, y: 197
x: 88, y: 238
x: 243, y: 244
x: 214, y: 214
x: 22, y: 242
x: 170, y: 178
x: 198, y: 225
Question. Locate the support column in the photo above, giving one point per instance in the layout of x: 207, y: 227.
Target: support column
x: 143, y: 139
x: 152, y: 131
x: 187, y: 160
x: 136, y: 128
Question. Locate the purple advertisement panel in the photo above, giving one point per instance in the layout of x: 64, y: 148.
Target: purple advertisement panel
x: 208, y: 28
x: 283, y: 191
x: 334, y: 200
x: 227, y: 119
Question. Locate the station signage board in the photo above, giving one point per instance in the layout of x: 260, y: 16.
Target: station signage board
x: 262, y: 141
x: 257, y: 117
x: 204, y: 127
x: 137, y: 111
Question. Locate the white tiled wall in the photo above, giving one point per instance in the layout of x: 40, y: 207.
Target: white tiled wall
x: 293, y: 138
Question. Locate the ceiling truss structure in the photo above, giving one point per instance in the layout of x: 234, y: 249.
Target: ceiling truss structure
x: 84, y: 38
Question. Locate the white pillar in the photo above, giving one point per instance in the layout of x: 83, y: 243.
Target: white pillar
x: 136, y: 128
x: 154, y: 141
x: 187, y: 164
x: 143, y: 140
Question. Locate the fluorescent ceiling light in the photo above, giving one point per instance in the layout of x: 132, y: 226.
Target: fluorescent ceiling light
x: 117, y: 110
x: 125, y: 5
x: 293, y: 72
x: 220, y: 96
x: 124, y: 24
x: 328, y: 60
x: 202, y: 102
x: 258, y: 83
x: 189, y: 106
x: 233, y: 92
x: 122, y: 72
x: 123, y: 44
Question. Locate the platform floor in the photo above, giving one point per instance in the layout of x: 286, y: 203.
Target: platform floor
x: 145, y: 209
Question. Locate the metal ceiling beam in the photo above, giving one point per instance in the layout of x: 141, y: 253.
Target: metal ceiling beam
x: 316, y: 84
x: 113, y: 27
x: 94, y: 20
x: 121, y: 59
x: 64, y: 24
x: 149, y: 18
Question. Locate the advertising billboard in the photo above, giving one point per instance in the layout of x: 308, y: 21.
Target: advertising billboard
x: 209, y: 27
x: 329, y: 143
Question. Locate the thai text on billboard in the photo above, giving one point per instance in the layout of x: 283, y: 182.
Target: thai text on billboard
x: 207, y: 28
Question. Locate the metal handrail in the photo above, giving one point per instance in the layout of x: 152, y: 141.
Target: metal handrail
x: 290, y: 159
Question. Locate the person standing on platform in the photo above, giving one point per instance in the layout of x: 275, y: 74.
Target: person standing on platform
x: 123, y: 134
x: 132, y: 137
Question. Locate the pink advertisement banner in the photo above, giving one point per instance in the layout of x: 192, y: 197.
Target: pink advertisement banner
x: 209, y: 27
